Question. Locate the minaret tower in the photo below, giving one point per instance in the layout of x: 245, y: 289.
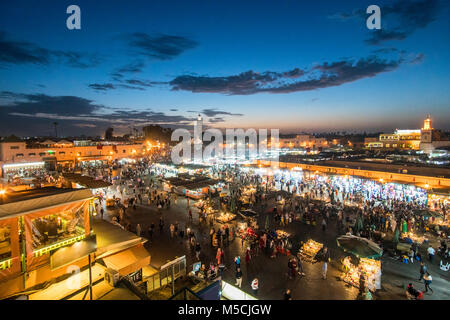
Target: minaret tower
x: 427, y: 123
x: 426, y: 136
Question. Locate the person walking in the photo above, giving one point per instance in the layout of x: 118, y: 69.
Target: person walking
x: 247, y: 255
x: 238, y: 277
x: 428, y: 279
x: 255, y: 286
x: 431, y: 253
x: 150, y: 231
x: 218, y: 255
x: 221, y: 269
x: 324, y: 224
x: 300, y: 267
x: 172, y: 230
x: 138, y: 230
x: 161, y: 225
x: 326, y: 259
x: 197, y: 250
x: 102, y: 212
x: 237, y: 262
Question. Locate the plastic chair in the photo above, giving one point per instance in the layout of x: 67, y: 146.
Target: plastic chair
x: 405, y: 259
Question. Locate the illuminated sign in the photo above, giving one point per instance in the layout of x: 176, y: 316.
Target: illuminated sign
x: 406, y: 131
x: 26, y: 164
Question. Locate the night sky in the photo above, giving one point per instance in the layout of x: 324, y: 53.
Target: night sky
x: 289, y: 64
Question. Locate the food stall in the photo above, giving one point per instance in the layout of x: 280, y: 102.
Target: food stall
x: 247, y: 231
x: 369, y: 269
x: 248, y: 194
x: 225, y: 217
x: 309, y: 250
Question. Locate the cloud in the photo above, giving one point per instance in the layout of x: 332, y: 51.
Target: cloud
x: 33, y: 114
x: 102, y: 87
x: 400, y: 19
x: 320, y: 76
x: 416, y: 58
x: 22, y: 52
x: 386, y: 35
x: 385, y: 50
x: 137, y: 82
x: 216, y: 120
x: 159, y: 46
x: 35, y: 103
x: 215, y: 112
x: 133, y: 67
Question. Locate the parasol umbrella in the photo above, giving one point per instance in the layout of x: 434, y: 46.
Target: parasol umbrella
x: 360, y: 247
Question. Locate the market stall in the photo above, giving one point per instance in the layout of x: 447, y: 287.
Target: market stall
x: 248, y: 195
x: 225, y: 217
x: 368, y: 270
x: 309, y: 250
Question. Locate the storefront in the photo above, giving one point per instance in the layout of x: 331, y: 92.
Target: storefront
x: 22, y: 169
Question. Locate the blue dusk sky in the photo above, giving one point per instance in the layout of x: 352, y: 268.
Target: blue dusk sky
x: 298, y: 66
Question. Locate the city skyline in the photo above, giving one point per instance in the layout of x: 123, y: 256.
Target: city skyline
x: 290, y: 65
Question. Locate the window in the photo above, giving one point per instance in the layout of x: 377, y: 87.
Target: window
x: 123, y: 150
x: 14, y: 147
x: 5, y: 242
x: 394, y: 145
x: 42, y: 154
x: 32, y: 154
x: 387, y: 145
x: 57, y: 227
x: 19, y: 155
x: 62, y: 152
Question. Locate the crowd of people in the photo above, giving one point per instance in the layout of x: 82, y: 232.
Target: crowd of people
x: 360, y: 207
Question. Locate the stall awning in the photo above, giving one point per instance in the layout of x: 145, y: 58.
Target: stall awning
x: 86, y: 181
x: 129, y: 260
